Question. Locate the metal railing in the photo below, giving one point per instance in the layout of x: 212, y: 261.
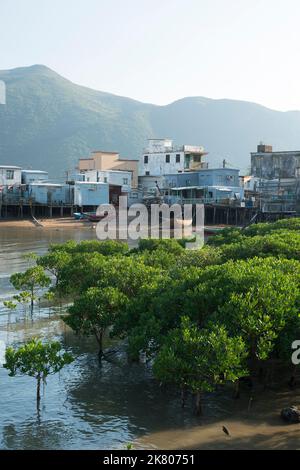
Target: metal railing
x: 206, y: 200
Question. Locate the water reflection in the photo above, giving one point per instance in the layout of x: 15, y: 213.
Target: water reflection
x: 92, y: 407
x: 85, y: 406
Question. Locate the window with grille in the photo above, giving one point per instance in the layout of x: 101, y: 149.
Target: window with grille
x: 10, y: 174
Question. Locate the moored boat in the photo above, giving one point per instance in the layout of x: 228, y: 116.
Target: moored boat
x: 92, y: 216
x: 78, y: 215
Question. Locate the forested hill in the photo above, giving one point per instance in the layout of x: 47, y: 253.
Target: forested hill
x: 49, y: 122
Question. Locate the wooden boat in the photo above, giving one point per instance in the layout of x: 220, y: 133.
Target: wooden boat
x: 92, y: 216
x: 78, y: 215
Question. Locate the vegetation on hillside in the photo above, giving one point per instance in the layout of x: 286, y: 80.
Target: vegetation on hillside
x: 50, y: 122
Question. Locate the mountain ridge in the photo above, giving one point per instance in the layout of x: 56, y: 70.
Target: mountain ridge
x: 49, y: 122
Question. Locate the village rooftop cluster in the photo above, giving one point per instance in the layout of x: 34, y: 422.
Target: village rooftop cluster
x: 163, y: 173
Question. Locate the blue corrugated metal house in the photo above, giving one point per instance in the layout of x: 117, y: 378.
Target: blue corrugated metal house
x: 30, y: 176
x: 208, y: 185
x: 90, y: 194
x: 50, y: 193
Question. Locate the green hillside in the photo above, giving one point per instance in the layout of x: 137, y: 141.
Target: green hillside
x: 49, y: 122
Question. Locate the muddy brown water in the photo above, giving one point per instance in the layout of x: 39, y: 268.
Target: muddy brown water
x: 92, y: 407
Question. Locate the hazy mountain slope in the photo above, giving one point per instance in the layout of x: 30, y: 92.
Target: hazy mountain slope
x: 49, y: 122
x: 227, y: 128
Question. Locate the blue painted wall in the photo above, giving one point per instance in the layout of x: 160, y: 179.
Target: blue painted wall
x: 50, y: 193
x: 209, y: 177
x: 91, y: 194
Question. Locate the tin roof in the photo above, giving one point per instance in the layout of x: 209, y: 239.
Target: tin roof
x: 90, y: 182
x: 35, y: 171
x: 10, y: 167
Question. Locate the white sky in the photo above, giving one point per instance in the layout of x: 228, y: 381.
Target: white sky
x: 162, y: 50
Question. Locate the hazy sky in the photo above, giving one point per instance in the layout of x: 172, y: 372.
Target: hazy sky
x: 161, y: 50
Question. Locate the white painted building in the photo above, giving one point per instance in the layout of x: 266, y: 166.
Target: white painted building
x: 161, y: 157
x: 151, y: 184
x: 29, y: 176
x: 120, y: 178
x: 250, y: 183
x: 10, y: 175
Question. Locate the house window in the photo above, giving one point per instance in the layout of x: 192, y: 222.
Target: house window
x: 125, y: 180
x: 145, y: 159
x: 105, y: 179
x: 178, y: 158
x: 167, y: 158
x: 187, y: 159
x: 147, y: 173
x: 10, y: 174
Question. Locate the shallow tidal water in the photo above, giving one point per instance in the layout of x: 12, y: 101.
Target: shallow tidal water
x: 85, y: 406
x: 92, y: 407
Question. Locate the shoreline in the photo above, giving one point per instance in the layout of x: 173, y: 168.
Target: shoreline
x: 252, y: 424
x: 260, y: 428
x: 47, y: 223
x: 68, y: 222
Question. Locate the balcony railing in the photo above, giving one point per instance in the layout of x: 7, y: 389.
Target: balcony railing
x: 206, y: 200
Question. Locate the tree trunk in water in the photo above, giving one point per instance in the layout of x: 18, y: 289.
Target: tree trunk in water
x: 183, y: 397
x: 236, y: 393
x: 252, y: 358
x: 198, y: 405
x: 99, y: 337
x: 38, y: 390
x: 31, y: 303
